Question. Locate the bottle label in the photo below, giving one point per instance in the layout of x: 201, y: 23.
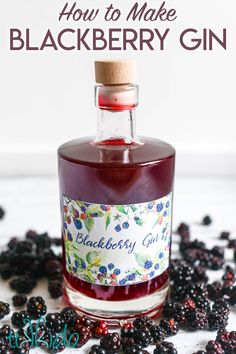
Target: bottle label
x: 117, y: 245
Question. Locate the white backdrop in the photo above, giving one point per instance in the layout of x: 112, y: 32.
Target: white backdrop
x: 186, y: 97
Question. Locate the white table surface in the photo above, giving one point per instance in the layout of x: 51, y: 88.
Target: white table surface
x: 33, y: 203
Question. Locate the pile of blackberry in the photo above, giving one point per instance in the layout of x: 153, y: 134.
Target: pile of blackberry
x: 27, y: 260
x: 193, y: 303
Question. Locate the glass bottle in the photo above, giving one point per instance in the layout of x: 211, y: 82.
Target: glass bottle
x: 116, y: 206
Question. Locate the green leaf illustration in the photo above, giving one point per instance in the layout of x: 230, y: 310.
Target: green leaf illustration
x: 89, y: 277
x: 92, y: 256
x: 107, y: 219
x: 121, y: 209
x: 141, y: 258
x: 139, y: 222
x: 89, y: 223
x: 94, y: 209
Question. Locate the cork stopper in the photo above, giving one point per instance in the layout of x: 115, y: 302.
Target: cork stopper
x: 115, y: 72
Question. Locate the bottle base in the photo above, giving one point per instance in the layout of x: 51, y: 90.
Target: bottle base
x: 116, y: 312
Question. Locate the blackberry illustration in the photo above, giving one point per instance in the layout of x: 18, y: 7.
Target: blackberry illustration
x: 19, y: 300
x: 20, y: 319
x: 111, y: 342
x: 36, y: 307
x: 55, y: 322
x: 165, y: 348
x: 4, y: 309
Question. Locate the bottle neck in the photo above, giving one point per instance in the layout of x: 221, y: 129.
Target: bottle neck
x: 116, y: 114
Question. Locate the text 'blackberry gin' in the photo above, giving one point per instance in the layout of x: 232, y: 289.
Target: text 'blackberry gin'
x: 116, y: 205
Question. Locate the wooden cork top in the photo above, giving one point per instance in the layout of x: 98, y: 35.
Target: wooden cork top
x: 115, y: 72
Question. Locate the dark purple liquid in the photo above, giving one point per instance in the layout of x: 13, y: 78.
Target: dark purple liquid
x: 116, y: 174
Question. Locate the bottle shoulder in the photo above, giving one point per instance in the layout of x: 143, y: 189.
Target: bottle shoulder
x: 85, y: 151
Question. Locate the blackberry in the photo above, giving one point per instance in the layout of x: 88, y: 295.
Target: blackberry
x: 197, y: 290
x: 232, y: 244
x: 182, y: 274
x: 142, y: 321
x: 183, y: 227
x: 100, y: 329
x: 197, y: 319
x: 3, y: 346
x: 158, y: 334
x: 200, y: 275
x: 143, y: 336
x: 20, y: 319
x: 200, y: 352
x: 43, y: 241
x: 214, y: 347
x: 36, y: 307
x: 31, y: 235
x: 216, y: 263
x: 178, y: 293
x: 111, y: 342
x: 2, y: 213
x: 58, y: 346
x: 56, y: 241
x: 23, y: 284
x: 55, y: 288
x: 128, y: 342
x: 52, y: 268
x: 6, y: 271
x: 165, y: 348
x: 222, y: 306
x: 232, y: 296
x: 217, y: 251
x: 23, y: 347
x: 96, y: 349
x: 49, y: 336
x: 189, y: 304
x: 170, y: 327
x: 6, y: 330
x: 134, y: 349
x: 84, y: 333
x: 69, y: 316
x: 206, y: 220
x: 224, y: 235
x: 175, y: 310
x: 127, y: 332
x: 87, y: 322
x: 4, y: 309
x: 37, y: 329
x: 217, y: 320
x: 203, y: 303
x: 55, y: 322
x: 19, y: 300
x: 215, y: 290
